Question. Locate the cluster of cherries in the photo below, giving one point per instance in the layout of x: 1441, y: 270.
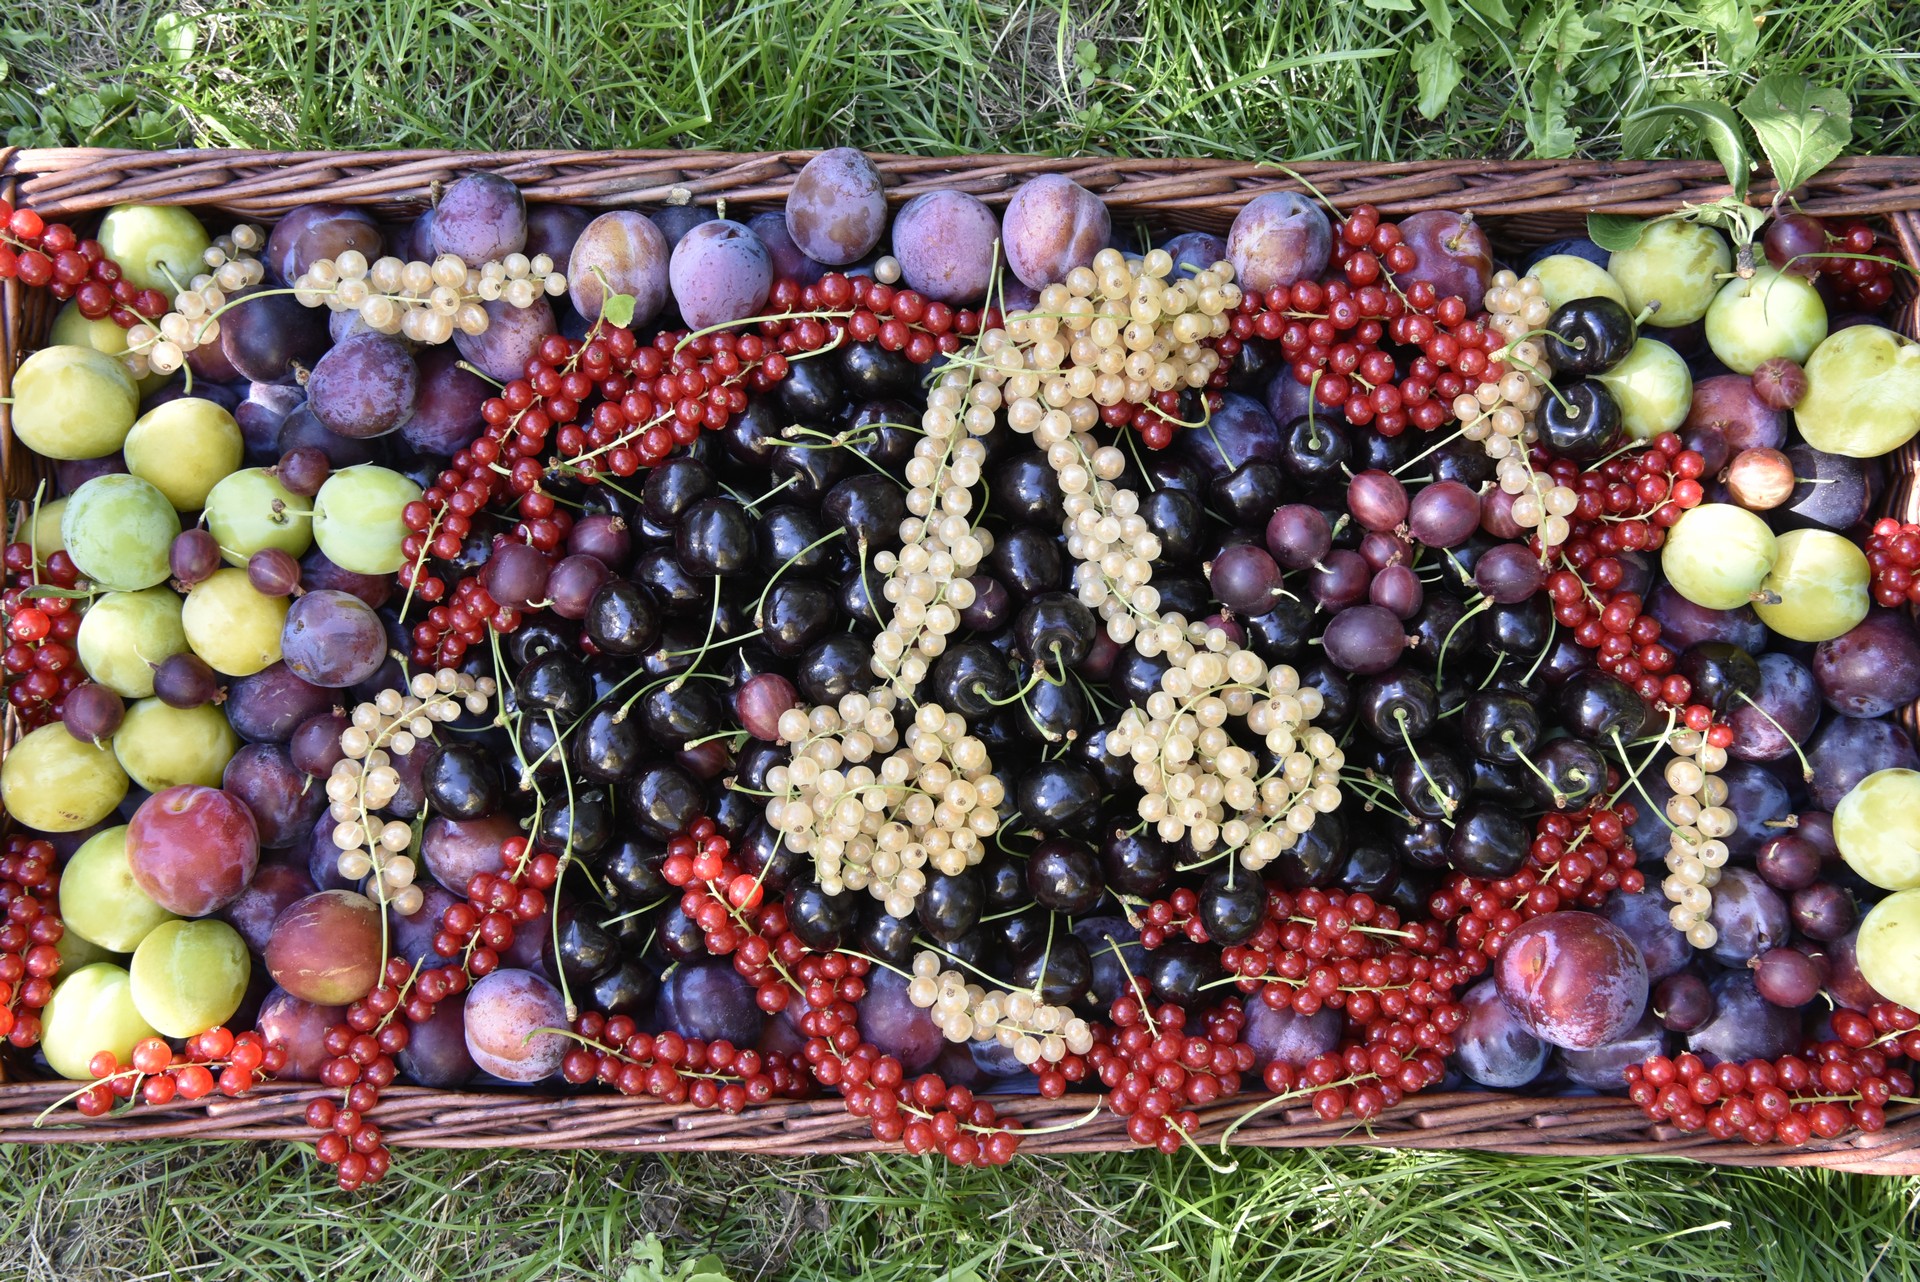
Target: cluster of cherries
x: 29, y: 958
x: 39, y: 253
x: 155, y: 1073
x: 1577, y: 859
x: 1893, y: 554
x: 39, y: 660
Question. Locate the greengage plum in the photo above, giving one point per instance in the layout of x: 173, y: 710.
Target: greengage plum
x: 1565, y: 277
x: 1863, y: 393
x: 356, y: 518
x: 154, y: 245
x: 125, y: 635
x: 119, y: 529
x: 945, y: 241
x: 720, y: 273
x: 1575, y: 979
x: 837, y: 209
x: 300, y: 1028
x: 625, y: 250
x: 99, y: 899
x: 1678, y: 265
x: 184, y: 448
x: 1279, y: 238
x: 232, y: 626
x: 326, y: 948
x: 1817, y: 589
x: 252, y: 509
x: 193, y: 849
x: 1652, y: 388
x: 1717, y: 555
x: 1877, y: 828
x: 189, y: 976
x: 92, y: 1011
x: 1051, y: 226
x: 1770, y: 314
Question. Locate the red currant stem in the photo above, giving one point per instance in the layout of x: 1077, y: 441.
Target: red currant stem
x: 1439, y: 445
x: 420, y: 562
x: 1057, y: 1128
x: 1297, y: 1092
x: 1338, y: 215
x: 1634, y: 781
x: 1806, y: 770
x: 1865, y: 258
x: 875, y: 961
x: 77, y: 1092
x: 1134, y: 986
x: 934, y: 947
x: 1364, y: 930
x: 1202, y: 1154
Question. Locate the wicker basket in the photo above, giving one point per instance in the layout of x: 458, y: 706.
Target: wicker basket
x: 1523, y: 202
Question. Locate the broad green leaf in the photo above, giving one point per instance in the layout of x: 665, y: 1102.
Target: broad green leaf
x: 1437, y: 71
x: 1644, y: 130
x: 1439, y: 16
x: 1548, y: 132
x: 84, y: 111
x: 1732, y: 21
x: 1397, y: 6
x: 1801, y: 128
x: 1615, y: 232
x: 177, y: 36
x: 1493, y: 11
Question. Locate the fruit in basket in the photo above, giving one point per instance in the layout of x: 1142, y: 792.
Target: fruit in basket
x: 118, y: 529
x: 99, y: 898
x: 512, y: 338
x: 301, y: 1026
x: 1652, y: 388
x: 1053, y: 225
x: 364, y: 386
x: 126, y: 635
x: 73, y: 403
x: 306, y: 234
x: 193, y: 849
x: 1817, y: 588
x: 43, y: 532
x: 1279, y: 238
x: 184, y: 447
x: 479, y: 218
x: 53, y: 782
x: 720, y: 273
x: 157, y: 246
x: 1871, y: 669
x: 1575, y: 979
x: 1717, y: 555
x: 161, y: 746
x: 333, y: 639
x: 837, y: 209
x: 189, y: 976
x: 945, y: 243
x: 505, y: 1014
x: 1863, y: 393
x: 253, y: 509
x: 231, y: 625
x: 1877, y: 828
x: 1678, y: 265
x: 1493, y: 1048
x: 326, y: 948
x: 1887, y: 949
x: 624, y: 251
x: 1565, y: 277
x: 92, y: 1011
x: 1453, y: 252
x: 1766, y: 316
x: 356, y: 518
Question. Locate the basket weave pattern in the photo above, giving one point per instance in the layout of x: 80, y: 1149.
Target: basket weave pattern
x: 1525, y: 201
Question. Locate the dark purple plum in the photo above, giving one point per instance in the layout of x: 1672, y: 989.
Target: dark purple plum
x: 306, y: 234
x: 625, y: 251
x: 1288, y: 1037
x: 1728, y: 404
x: 1051, y: 226
x: 1684, y: 624
x: 284, y: 799
x: 1279, y: 238
x: 446, y: 406
x: 364, y: 387
x: 1574, y: 978
x: 269, y: 705
x: 436, y: 1054
x: 945, y: 243
x: 553, y: 229
x: 1604, y: 1067
x: 1492, y: 1047
x: 1834, y: 490
x: 512, y: 337
x: 272, y: 335
x: 274, y: 886
x: 1872, y: 669
x: 788, y: 262
x: 1644, y: 918
x: 1193, y: 252
x: 1745, y: 1025
x: 837, y: 209
x: 1750, y: 916
x: 1848, y: 749
x: 720, y: 273
x: 333, y: 639
x: 1783, y: 713
x: 480, y: 218
x: 1234, y: 435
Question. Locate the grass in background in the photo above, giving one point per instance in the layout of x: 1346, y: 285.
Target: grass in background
x: 1299, y: 79
x: 1258, y: 79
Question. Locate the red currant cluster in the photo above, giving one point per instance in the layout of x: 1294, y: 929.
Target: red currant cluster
x: 1577, y: 859
x: 215, y: 1060
x: 1863, y: 282
x: 40, y: 662
x: 858, y: 309
x: 1790, y: 1100
x: 1625, y: 505
x: 1156, y: 1073
x: 1893, y: 552
x: 38, y: 253
x: 442, y: 639
x: 29, y: 958
x: 676, y: 1069
x: 360, y: 1063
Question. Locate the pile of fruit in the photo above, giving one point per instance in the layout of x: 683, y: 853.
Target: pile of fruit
x: 936, y: 658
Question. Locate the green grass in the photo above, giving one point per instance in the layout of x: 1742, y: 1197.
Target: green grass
x: 1282, y: 79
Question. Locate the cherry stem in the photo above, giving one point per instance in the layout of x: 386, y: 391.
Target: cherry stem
x: 1445, y: 802
x: 1559, y: 798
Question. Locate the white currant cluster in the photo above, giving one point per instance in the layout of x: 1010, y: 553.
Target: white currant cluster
x: 1499, y: 413
x: 364, y: 781
x: 933, y: 799
x: 1019, y: 1021
x: 162, y: 347
x: 1697, y: 847
x: 426, y: 302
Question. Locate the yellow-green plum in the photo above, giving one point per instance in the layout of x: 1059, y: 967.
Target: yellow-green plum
x: 1766, y: 315
x: 1818, y: 587
x: 1652, y: 387
x: 356, y: 518
x: 162, y: 747
x: 70, y: 328
x: 185, y: 447
x: 125, y: 635
x: 1877, y: 828
x: 71, y: 402
x: 155, y: 245
x: 1887, y: 949
x: 1717, y: 555
x: 189, y: 976
x: 249, y: 511
x: 99, y: 899
x: 1863, y: 393
x: 44, y: 533
x: 1565, y: 277
x: 1676, y: 264
x: 92, y: 1011
x: 56, y: 783
x: 119, y: 530
x: 232, y: 625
